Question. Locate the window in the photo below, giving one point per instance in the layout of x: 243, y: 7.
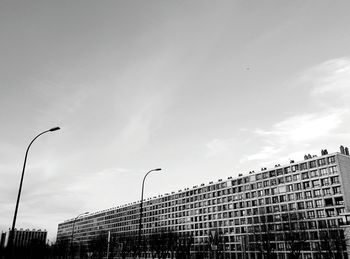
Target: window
x: 292, y: 206
x: 276, y: 208
x: 331, y: 222
x: 288, y: 178
x: 340, y: 211
x: 287, y: 170
x: 326, y: 191
x: 331, y: 159
x: 321, y: 162
x: 303, y: 166
x: 335, y: 179
x: 278, y: 227
x: 301, y: 205
x: 312, y: 164
x: 336, y: 190
x: 317, y: 193
x: 295, y: 168
x: 280, y: 180
x: 332, y: 170
x: 308, y: 195
x: 320, y: 213
x: 325, y: 182
x: 291, y: 197
x: 315, y: 183
x: 297, y: 186
x: 283, y: 198
x: 339, y: 201
x: 266, y: 183
x: 306, y: 185
x: 313, y: 173
x: 267, y: 191
x: 305, y: 175
x: 274, y: 190
x: 289, y: 187
x: 328, y: 202
x: 268, y: 209
x: 309, y: 205
x: 296, y: 177
x: 318, y: 203
x: 280, y: 246
x: 323, y: 171
x: 298, y: 195
x: 311, y: 215
x: 282, y: 189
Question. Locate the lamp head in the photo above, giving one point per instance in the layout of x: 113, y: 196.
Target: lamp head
x: 54, y: 129
x: 157, y: 169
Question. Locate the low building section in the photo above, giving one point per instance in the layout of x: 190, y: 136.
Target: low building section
x: 25, y: 238
x: 301, y: 209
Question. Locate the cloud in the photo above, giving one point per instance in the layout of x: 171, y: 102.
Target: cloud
x: 329, y: 87
x: 329, y: 77
x: 296, y: 132
x: 304, y: 127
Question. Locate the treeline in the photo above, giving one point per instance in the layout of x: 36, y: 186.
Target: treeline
x: 35, y: 249
x: 286, y: 235
x: 160, y: 245
x: 293, y: 233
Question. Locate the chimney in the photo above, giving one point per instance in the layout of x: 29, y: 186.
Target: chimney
x: 346, y: 151
x: 342, y: 149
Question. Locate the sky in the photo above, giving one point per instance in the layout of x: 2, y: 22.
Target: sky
x: 203, y: 89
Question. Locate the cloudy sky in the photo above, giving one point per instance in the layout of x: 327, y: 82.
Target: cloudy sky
x: 202, y: 89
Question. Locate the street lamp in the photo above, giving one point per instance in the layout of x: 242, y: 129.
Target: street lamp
x: 72, y: 236
x: 12, y: 234
x: 141, y: 204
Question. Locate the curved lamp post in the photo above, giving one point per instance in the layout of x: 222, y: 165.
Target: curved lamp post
x: 12, y: 234
x: 72, y: 236
x: 141, y: 207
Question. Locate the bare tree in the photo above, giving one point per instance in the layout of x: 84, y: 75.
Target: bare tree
x: 332, y: 243
x: 98, y: 245
x: 184, y: 244
x: 295, y: 233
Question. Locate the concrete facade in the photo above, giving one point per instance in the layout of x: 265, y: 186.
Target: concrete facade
x: 24, y: 238
x: 309, y: 197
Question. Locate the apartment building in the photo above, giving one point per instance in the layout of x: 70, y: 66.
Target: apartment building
x: 25, y: 237
x: 301, y: 208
